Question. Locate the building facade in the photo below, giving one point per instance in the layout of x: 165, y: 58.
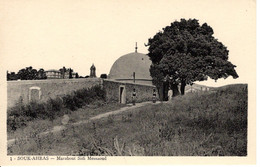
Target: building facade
x: 53, y: 74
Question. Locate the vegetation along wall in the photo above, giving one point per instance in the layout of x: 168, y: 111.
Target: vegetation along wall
x: 42, y: 90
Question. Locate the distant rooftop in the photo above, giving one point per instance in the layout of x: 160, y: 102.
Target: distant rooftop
x: 52, y: 70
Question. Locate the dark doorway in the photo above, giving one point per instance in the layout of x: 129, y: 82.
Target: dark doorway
x: 122, y: 95
x: 121, y: 92
x: 34, y: 95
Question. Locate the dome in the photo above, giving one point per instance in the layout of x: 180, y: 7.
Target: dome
x: 124, y: 67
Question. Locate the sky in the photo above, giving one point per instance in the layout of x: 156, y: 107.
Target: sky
x: 51, y: 34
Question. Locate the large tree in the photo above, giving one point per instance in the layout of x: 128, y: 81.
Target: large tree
x: 70, y: 73
x: 28, y: 73
x: 11, y: 76
x: 185, y: 52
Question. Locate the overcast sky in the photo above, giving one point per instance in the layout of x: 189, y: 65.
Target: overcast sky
x: 51, y: 34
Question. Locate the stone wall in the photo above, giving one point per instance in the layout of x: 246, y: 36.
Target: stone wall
x: 42, y: 90
x: 143, y: 92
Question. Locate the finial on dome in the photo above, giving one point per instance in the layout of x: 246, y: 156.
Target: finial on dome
x: 136, y: 47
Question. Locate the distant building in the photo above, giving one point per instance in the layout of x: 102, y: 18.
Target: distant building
x: 92, y: 71
x: 53, y: 74
x: 63, y: 73
x: 74, y: 74
x: 66, y: 74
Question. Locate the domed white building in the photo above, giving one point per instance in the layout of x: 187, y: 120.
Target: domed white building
x: 132, y: 68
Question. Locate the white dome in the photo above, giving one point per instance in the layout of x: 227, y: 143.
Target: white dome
x: 124, y: 67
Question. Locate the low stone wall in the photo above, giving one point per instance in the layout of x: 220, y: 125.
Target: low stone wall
x: 42, y: 90
x: 143, y: 92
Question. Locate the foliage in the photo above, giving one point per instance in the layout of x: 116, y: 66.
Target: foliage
x: 12, y: 76
x: 77, y: 75
x: 42, y: 74
x: 103, y: 76
x: 186, y: 52
x: 70, y: 73
x: 28, y: 73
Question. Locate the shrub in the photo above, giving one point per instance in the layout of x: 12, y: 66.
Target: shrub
x: 103, y: 76
x: 53, y: 108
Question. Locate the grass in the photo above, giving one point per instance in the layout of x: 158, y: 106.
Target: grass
x: 37, y: 126
x: 199, y: 124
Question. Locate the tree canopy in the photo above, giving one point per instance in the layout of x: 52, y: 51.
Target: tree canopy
x: 28, y: 73
x: 185, y: 52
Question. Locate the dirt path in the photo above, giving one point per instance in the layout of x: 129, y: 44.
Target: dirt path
x: 56, y: 129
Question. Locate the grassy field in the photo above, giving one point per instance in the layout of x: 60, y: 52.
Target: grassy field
x: 37, y: 126
x: 199, y: 124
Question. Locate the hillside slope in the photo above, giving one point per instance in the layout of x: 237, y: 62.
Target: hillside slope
x: 196, y: 124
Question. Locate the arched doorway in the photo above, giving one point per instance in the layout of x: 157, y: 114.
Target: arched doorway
x: 35, y: 93
x: 122, y: 94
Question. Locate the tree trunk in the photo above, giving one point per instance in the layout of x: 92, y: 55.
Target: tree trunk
x: 160, y: 93
x: 183, y: 84
x: 165, y: 91
x: 175, y: 90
